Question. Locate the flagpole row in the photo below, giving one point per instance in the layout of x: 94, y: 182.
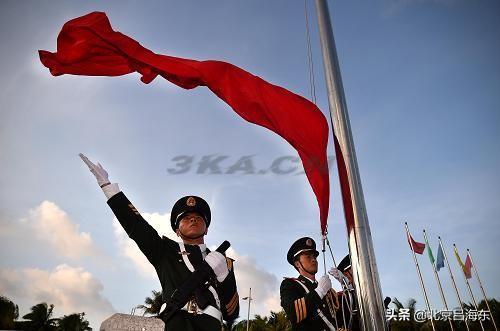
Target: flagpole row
x: 482, y: 289
x: 453, y: 281
x: 467, y: 282
x: 420, y: 276
x: 438, y: 282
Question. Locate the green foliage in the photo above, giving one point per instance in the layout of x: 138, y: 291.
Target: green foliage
x: 152, y: 304
x: 8, y: 313
x: 40, y: 318
x: 275, y: 322
x: 73, y: 322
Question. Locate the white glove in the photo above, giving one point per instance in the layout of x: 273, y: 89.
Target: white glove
x: 100, y: 174
x: 338, y: 275
x: 324, y: 285
x: 102, y: 177
x: 218, y: 263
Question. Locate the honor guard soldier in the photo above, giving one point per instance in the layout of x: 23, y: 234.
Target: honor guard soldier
x: 308, y: 304
x: 174, y: 262
x: 347, y: 315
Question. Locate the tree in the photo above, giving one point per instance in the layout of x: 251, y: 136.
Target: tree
x: 152, y: 304
x: 8, y: 313
x: 401, y: 310
x: 279, y: 322
x: 40, y: 318
x: 276, y: 322
x: 73, y: 322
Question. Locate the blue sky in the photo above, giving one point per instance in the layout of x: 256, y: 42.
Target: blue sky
x: 422, y: 82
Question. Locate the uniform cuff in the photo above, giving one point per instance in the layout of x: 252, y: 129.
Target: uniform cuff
x: 110, y: 190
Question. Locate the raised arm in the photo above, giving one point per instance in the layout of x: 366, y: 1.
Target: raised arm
x: 133, y: 223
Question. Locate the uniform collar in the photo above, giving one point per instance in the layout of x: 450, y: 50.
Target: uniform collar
x: 308, y: 280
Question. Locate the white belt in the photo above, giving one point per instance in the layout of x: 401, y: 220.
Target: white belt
x: 209, y: 310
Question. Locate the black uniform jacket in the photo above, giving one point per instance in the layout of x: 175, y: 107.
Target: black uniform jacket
x: 301, y: 307
x: 166, y: 257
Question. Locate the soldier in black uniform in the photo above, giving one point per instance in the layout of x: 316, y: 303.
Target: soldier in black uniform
x: 175, y: 261
x: 348, y: 307
x: 308, y: 304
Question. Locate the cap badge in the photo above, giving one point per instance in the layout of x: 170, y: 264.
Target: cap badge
x: 191, y: 202
x: 309, y: 242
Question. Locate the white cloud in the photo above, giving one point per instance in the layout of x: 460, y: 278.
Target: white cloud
x: 51, y: 224
x: 70, y: 289
x: 129, y: 249
x: 265, y: 287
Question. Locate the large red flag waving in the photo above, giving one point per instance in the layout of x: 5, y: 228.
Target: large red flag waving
x: 88, y: 45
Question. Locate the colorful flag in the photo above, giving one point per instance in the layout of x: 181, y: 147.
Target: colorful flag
x: 88, y: 45
x: 468, y: 267
x: 415, y: 245
x: 439, y: 258
x: 429, y: 251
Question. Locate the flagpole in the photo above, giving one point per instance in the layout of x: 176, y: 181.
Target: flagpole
x: 468, y: 286
x: 420, y: 277
x: 439, y: 284
x: 364, y: 266
x: 482, y: 289
x: 249, y: 298
x: 453, y: 281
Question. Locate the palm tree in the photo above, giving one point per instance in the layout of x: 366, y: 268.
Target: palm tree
x: 279, y: 322
x: 152, y: 304
x: 40, y: 318
x: 8, y: 313
x: 73, y: 322
x: 400, y: 310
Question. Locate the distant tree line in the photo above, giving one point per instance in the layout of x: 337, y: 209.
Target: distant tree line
x: 39, y: 319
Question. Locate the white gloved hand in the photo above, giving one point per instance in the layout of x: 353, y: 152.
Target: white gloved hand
x: 324, y: 285
x: 218, y: 263
x: 338, y: 275
x: 100, y: 174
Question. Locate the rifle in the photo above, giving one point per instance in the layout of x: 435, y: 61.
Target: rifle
x: 182, y: 294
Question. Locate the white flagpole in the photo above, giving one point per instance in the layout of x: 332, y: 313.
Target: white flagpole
x: 249, y: 298
x: 454, y: 284
x: 468, y: 286
x: 482, y: 289
x: 364, y: 267
x: 439, y: 284
x: 420, y: 276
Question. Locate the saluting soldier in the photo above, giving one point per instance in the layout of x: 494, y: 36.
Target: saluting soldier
x: 211, y: 302
x: 308, y: 304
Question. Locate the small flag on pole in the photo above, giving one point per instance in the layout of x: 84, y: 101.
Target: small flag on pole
x: 415, y: 245
x: 429, y: 251
x: 440, y: 258
x: 466, y: 268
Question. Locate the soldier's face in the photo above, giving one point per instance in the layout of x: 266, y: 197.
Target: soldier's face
x: 192, y: 225
x: 309, y: 262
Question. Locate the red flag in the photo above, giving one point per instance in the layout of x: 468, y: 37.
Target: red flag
x: 467, y: 267
x: 415, y: 245
x: 88, y: 46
